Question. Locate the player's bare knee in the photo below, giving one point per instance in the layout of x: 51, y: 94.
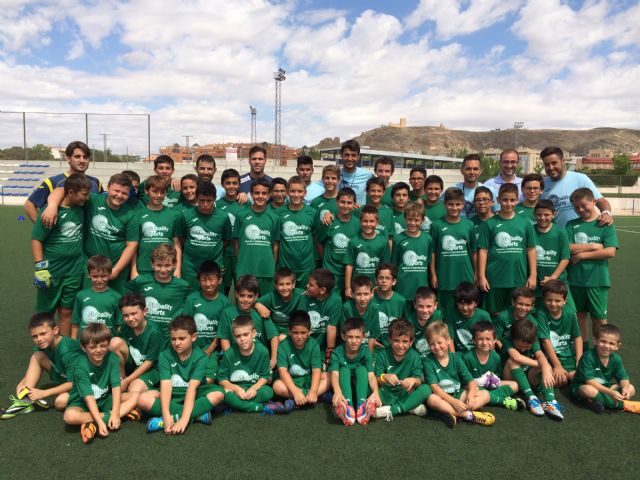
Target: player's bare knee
x: 60, y: 402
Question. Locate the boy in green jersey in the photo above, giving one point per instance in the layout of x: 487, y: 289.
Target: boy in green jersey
x: 366, y: 251
x: 204, y: 231
x: 164, y: 167
x: 158, y: 225
x: 278, y: 304
x: 57, y: 253
x: 453, y: 258
x: 184, y: 394
x: 322, y: 303
x: 391, y: 305
x: 375, y: 193
x: 455, y: 393
x: 425, y: 312
x: 164, y: 294
x: 465, y: 315
x: 98, y: 304
x: 55, y: 354
x: 352, y: 376
x: 601, y: 381
x: 188, y: 187
x: 256, y: 238
x: 277, y: 194
x: 246, y: 291
x: 559, y: 332
x: 300, y: 363
x: 96, y: 402
x: 361, y: 306
x: 525, y: 363
x: 483, y: 203
x: 532, y: 187
x: 506, y: 253
x: 244, y: 372
x: 297, y: 232
x: 433, y: 206
x: 328, y: 201
x: 400, y: 195
x: 138, y: 346
x: 230, y: 205
x: 485, y: 366
x: 591, y: 245
x: 417, y: 176
x: 522, y: 301
x: 412, y: 254
x: 398, y: 370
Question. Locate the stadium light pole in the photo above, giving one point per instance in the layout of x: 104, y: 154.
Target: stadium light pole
x: 279, y: 77
x: 186, y: 144
x: 517, y: 126
x: 104, y: 149
x: 253, y: 111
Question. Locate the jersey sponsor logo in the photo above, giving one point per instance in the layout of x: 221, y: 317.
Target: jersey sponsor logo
x: 203, y: 324
x: 384, y: 320
x: 363, y: 260
x: 450, y: 244
x: 545, y: 255
x: 559, y: 342
x: 71, y: 230
x: 582, y: 238
x: 317, y: 321
x: 340, y: 240
x: 100, y: 223
x: 296, y: 370
x: 93, y: 315
x: 254, y: 233
x: 465, y: 337
x: 156, y: 308
x: 449, y: 386
x: 422, y: 346
x: 426, y: 224
x: 99, y: 392
x: 151, y: 230
x: 412, y: 259
x: 291, y: 229
x: 136, y: 355
x: 197, y: 233
x: 399, y: 228
x: 178, y: 382
x: 242, y: 376
x: 504, y: 240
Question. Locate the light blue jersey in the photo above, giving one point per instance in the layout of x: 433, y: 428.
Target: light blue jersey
x: 357, y: 180
x: 314, y: 190
x: 559, y: 192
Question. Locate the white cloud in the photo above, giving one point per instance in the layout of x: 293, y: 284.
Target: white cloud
x: 76, y: 51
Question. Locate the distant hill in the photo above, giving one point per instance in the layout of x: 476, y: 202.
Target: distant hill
x: 441, y: 140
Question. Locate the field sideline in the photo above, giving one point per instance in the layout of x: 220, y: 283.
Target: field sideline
x: 313, y: 444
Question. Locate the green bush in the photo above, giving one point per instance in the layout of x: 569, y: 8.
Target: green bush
x: 614, y: 180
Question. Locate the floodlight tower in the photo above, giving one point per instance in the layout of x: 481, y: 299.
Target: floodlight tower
x: 253, y: 124
x: 105, y: 156
x: 279, y: 77
x: 517, y: 126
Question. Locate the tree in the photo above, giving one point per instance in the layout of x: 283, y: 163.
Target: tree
x: 621, y: 165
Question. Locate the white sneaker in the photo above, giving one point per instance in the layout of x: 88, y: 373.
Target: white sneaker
x: 384, y: 412
x: 420, y: 410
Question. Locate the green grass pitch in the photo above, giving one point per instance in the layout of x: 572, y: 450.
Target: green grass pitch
x: 312, y: 444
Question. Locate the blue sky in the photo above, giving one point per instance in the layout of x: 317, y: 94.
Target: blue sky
x: 196, y: 65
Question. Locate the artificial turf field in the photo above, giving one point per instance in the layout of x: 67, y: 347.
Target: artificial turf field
x: 312, y: 443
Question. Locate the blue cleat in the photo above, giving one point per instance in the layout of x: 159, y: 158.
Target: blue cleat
x: 155, y: 424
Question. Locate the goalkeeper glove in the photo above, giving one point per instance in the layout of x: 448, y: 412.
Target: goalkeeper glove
x: 42, y: 277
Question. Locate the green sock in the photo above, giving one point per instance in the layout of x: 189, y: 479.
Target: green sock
x: 362, y: 383
x: 547, y: 393
x: 344, y: 375
x: 497, y: 396
x: 237, y: 403
x: 415, y: 398
x: 200, y: 406
x: 523, y: 382
x: 608, y: 402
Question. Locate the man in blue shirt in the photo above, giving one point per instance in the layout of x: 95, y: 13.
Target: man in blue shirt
x: 509, y: 159
x: 352, y: 176
x: 471, y: 170
x: 257, y: 161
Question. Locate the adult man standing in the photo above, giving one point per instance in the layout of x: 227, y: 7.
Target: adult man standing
x: 561, y: 183
x: 78, y: 156
x: 351, y: 175
x: 304, y: 169
x: 471, y: 170
x: 508, y: 165
x: 257, y: 161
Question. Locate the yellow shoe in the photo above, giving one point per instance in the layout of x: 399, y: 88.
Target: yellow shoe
x: 632, y: 407
x: 483, y: 418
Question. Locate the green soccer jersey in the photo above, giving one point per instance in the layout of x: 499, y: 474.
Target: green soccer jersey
x: 365, y: 254
x: 399, y: 223
x: 527, y: 212
x: 256, y: 233
x: 204, y: 237
x: 93, y: 380
x: 63, y: 243
x: 297, y: 229
x: 181, y: 372
x: 336, y: 239
x: 411, y: 256
x: 434, y: 212
x: 144, y: 346
x: 420, y: 340
x: 507, y: 242
x: 64, y: 357
x: 370, y: 318
x: 453, y: 246
x: 461, y: 327
x: 508, y: 343
x: 408, y: 366
x: 171, y: 198
x: 165, y: 301
x: 245, y: 370
x: 321, y: 312
x: 280, y: 309
x: 109, y: 230
x: 591, y: 367
x: 323, y: 206
x: 385, y: 220
x: 231, y: 208
x: 477, y: 222
x: 299, y: 363
x: 477, y: 368
x: 206, y: 314
x: 97, y: 307
x: 451, y: 377
x: 551, y: 248
x: 388, y: 311
x: 340, y: 359
x: 560, y: 331
x: 156, y: 228
x: 265, y: 329
x: 503, y: 323
x: 590, y: 273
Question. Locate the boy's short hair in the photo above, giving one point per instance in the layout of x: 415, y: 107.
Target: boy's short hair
x: 183, y: 322
x: 608, y: 329
x: 156, y: 182
x: 263, y: 182
x: 361, y: 281
x: 483, y: 326
x: 483, y: 189
x: 467, y: 292
x: 419, y: 169
x: 76, y: 182
x: 346, y: 192
x: 189, y: 176
x: 507, y: 188
x: 284, y: 272
x: 134, y: 176
x: 206, y: 189
x: 552, y: 151
x: 523, y: 292
x: 205, y: 157
x: 414, y: 209
x: 533, y: 177
x: 352, y: 323
x: 120, y: 179
x: 423, y: 293
x: 299, y: 318
x: 399, y: 327
x: 258, y: 148
x: 583, y: 193
x: 209, y: 267
x: 434, y: 179
x: 276, y: 181
x: 77, y: 144
x: 42, y: 318
x: 376, y: 181
x: 229, y: 173
x: 304, y: 160
x: 94, y: 333
x: 296, y: 179
x: 163, y: 159
x: 132, y: 300
x: 453, y: 194
x: 164, y: 252
x: 351, y: 145
x: 400, y: 186
x: 469, y: 158
x: 331, y: 169
x: 369, y: 210
x: 99, y: 263
x: 242, y: 321
x: 393, y: 269
x: 249, y: 283
x: 524, y: 330
x: 437, y: 328
x: 555, y: 286
x: 384, y: 160
x: 546, y: 204
x: 324, y: 278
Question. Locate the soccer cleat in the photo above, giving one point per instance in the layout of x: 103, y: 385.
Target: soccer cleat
x: 553, y: 409
x: 483, y: 418
x: 205, y: 418
x: 384, y: 412
x: 134, y: 415
x: 88, y: 432
x: 448, y: 419
x: 326, y: 397
x: 522, y: 405
x: 490, y: 381
x: 365, y: 410
x: 42, y: 403
x: 631, y: 406
x: 278, y: 408
x: 535, y: 407
x: 595, y: 406
x: 17, y: 407
x: 510, y: 403
x: 155, y: 424
x: 420, y: 410
x: 345, y: 413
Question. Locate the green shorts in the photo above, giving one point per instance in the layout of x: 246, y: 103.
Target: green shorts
x: 303, y: 383
x: 265, y: 285
x: 228, y: 270
x: 179, y: 394
x: 391, y: 396
x: 497, y: 299
x: 104, y: 404
x: 151, y: 378
x: 568, y: 363
x: 593, y: 300
x: 193, y: 281
x: 212, y: 366
x: 62, y: 293
x: 56, y: 377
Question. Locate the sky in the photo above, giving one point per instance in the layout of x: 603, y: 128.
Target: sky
x: 195, y: 66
